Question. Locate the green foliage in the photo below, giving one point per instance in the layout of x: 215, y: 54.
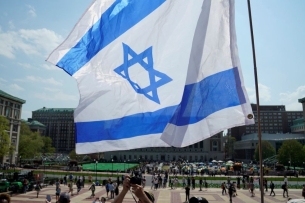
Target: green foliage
x: 292, y: 151
x: 47, y: 145
x: 77, y: 157
x: 5, y: 142
x: 267, y: 150
x: 32, y: 143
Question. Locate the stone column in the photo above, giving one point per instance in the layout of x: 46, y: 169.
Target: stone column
x: 17, y: 142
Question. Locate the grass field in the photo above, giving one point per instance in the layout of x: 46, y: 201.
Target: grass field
x: 108, y: 166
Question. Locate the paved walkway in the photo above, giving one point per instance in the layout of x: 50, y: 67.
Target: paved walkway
x: 213, y: 195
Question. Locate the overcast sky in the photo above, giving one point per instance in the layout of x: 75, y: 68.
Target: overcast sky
x: 31, y: 29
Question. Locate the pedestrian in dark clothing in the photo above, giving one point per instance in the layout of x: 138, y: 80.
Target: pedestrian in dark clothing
x: 200, y: 184
x: 285, y: 189
x: 238, y: 182
x: 193, y: 183
x: 223, y: 187
x: 230, y: 191
x: 272, y: 188
x: 266, y: 185
x: 187, y: 193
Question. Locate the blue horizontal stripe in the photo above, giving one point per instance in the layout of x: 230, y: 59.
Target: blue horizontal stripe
x: 116, y: 20
x: 216, y: 92
x: 212, y: 94
x: 126, y: 127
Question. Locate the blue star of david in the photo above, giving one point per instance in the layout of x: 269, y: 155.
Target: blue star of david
x: 156, y: 78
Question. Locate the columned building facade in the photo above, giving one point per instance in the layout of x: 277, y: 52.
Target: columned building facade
x: 11, y: 107
x: 211, y: 148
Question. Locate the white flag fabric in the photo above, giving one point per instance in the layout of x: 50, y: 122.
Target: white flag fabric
x: 154, y: 73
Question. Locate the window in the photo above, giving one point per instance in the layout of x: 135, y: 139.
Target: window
x: 7, y: 111
x: 215, y: 146
x: 16, y: 114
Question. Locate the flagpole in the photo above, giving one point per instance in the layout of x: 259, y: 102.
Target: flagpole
x: 258, y: 109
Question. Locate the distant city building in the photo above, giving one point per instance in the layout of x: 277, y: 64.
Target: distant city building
x: 298, y: 126
x: 36, y: 126
x: 274, y: 119
x: 59, y: 123
x: 244, y: 149
x: 211, y: 148
x: 302, y: 101
x: 11, y: 107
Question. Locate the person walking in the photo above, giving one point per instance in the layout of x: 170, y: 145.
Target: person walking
x: 303, y: 191
x: 111, y: 188
x: 230, y: 190
x: 200, y: 183
x: 285, y: 189
x: 70, y: 186
x: 251, y: 187
x: 272, y: 188
x: 223, y: 187
x: 266, y: 185
x: 193, y: 183
x: 92, y: 188
x: 78, y: 185
x: 38, y: 188
x: 57, y: 193
x: 187, y: 193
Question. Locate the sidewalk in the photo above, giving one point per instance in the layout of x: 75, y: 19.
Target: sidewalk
x: 161, y: 195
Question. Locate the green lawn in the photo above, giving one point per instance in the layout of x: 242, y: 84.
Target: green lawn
x: 108, y: 166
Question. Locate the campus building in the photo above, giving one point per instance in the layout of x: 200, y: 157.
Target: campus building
x: 36, y: 126
x: 59, y: 126
x: 11, y: 107
x: 244, y: 149
x: 274, y: 119
x: 211, y: 148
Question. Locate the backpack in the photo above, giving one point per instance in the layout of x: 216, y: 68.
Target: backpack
x: 283, y: 186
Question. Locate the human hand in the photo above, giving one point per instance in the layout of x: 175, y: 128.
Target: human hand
x: 139, y: 192
x: 126, y: 183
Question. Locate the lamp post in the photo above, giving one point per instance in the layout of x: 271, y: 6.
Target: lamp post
x: 44, y: 168
x: 112, y: 167
x: 224, y: 149
x: 95, y: 170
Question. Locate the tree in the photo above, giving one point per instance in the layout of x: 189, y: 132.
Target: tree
x: 291, y: 151
x: 77, y: 157
x: 30, y: 143
x: 5, y: 142
x: 229, y: 147
x: 267, y: 150
x: 47, y: 145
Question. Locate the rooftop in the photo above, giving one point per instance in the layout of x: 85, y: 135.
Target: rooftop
x: 8, y: 96
x: 302, y: 100
x: 33, y: 123
x: 44, y: 109
x: 279, y: 136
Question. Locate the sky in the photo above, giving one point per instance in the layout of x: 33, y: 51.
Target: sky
x: 31, y: 29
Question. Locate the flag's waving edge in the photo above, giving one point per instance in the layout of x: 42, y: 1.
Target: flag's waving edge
x: 154, y: 69
x: 214, y: 97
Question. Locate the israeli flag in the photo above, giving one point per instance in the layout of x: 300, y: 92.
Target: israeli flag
x: 154, y: 73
